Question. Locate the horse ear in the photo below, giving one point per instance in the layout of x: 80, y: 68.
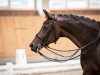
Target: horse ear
x: 47, y: 14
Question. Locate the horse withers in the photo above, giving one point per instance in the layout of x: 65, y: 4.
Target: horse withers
x: 84, y: 32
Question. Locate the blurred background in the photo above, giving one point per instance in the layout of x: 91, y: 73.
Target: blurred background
x: 20, y: 21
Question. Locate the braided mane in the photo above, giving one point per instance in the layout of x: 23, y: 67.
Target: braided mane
x: 78, y: 18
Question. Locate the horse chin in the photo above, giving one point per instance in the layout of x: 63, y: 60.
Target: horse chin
x: 39, y: 48
x: 36, y: 50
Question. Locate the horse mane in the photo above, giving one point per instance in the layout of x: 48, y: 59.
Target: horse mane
x: 78, y: 18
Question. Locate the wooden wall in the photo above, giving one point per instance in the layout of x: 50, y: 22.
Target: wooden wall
x: 19, y: 13
x: 18, y: 32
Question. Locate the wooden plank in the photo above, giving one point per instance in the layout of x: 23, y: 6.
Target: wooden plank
x: 8, y: 12
x: 1, y: 41
x: 9, y: 38
x: 77, y: 11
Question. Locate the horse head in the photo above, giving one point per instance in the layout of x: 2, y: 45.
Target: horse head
x: 48, y: 33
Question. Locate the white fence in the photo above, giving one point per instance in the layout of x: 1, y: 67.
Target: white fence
x: 45, y: 68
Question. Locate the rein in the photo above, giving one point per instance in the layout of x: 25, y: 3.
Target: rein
x: 71, y: 57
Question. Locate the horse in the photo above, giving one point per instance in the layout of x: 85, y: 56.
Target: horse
x: 82, y: 31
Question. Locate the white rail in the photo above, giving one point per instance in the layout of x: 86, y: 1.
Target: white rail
x: 44, y: 67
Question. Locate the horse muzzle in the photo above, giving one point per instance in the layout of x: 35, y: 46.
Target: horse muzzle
x: 35, y: 47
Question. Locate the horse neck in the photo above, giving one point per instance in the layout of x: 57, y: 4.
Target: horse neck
x: 77, y: 32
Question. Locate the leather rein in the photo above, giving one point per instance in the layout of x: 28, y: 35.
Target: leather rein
x: 44, y: 41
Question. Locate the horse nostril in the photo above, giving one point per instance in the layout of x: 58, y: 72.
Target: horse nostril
x: 31, y: 45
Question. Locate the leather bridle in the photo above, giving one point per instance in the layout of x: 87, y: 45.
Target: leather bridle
x: 43, y: 40
x: 44, y: 43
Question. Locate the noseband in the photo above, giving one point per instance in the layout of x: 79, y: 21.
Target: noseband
x: 44, y: 42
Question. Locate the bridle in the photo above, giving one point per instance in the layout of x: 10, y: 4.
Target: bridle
x: 44, y: 42
x: 43, y: 39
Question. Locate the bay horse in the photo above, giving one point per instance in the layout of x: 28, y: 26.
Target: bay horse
x: 80, y: 30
